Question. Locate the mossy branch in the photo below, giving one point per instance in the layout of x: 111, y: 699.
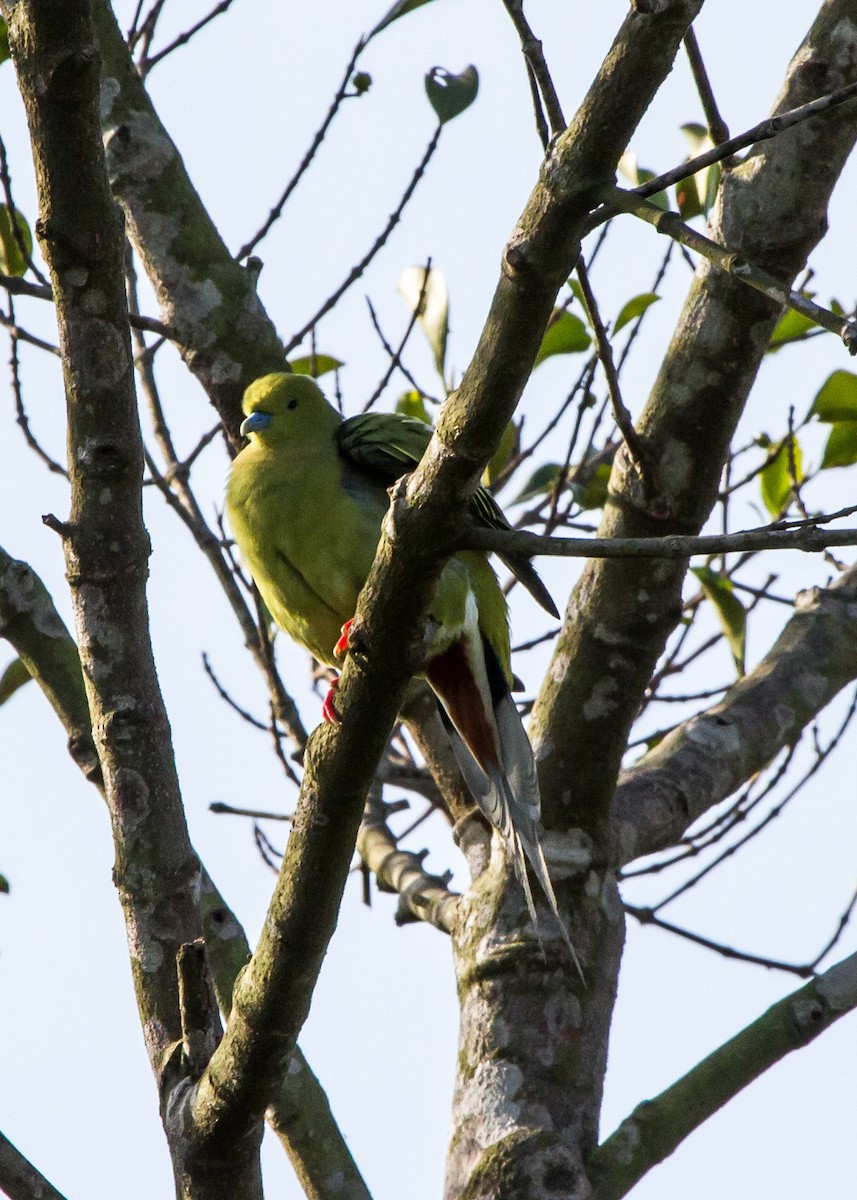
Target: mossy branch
x: 705, y: 759
x: 658, y: 1126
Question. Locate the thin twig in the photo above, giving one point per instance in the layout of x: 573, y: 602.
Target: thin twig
x: 646, y: 917
x: 277, y: 210
x: 807, y: 537
x: 233, y: 704
x: 838, y: 932
x: 373, y: 317
x: 396, y: 356
x: 671, y: 225
x: 717, y: 127
x: 270, y: 855
x: 538, y: 110
x: 355, y: 272
x: 537, y: 66
x: 22, y: 335
x: 182, y: 40
x: 764, y: 131
x: 258, y: 814
x: 636, y: 446
x: 20, y: 410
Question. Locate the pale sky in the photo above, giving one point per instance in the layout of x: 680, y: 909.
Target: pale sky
x: 242, y: 104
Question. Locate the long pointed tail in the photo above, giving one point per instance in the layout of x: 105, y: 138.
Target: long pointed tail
x: 495, y: 756
x: 514, y: 820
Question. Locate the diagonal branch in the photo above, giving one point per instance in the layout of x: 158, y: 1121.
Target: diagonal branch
x: 19, y: 1179
x: 771, y: 127
x: 717, y: 127
x: 300, y: 1112
x: 704, y: 760
x: 273, y: 994
x: 671, y: 225
x: 657, y: 1127
x: 422, y: 897
x: 206, y: 297
x: 30, y: 623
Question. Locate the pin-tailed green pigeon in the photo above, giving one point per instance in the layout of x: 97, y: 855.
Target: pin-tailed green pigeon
x: 305, y: 501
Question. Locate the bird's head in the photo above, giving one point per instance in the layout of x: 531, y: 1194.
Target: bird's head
x: 286, y: 408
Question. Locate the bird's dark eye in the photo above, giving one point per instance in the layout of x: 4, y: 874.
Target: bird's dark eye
x: 292, y: 404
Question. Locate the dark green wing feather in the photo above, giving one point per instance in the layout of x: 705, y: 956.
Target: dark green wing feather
x: 390, y: 445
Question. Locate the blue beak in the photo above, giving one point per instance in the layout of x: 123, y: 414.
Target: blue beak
x: 255, y: 423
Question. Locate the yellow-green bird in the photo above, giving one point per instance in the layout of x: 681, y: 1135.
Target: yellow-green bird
x: 305, y: 501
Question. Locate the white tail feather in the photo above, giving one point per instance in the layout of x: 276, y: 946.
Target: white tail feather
x: 503, y: 780
x: 514, y: 816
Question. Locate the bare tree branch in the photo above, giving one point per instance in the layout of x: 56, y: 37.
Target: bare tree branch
x: 300, y: 1113
x: 225, y: 335
x: 19, y: 1179
x: 717, y: 127
x: 704, y: 760
x: 423, y: 897
x: 622, y: 612
x: 658, y: 1126
x: 801, y: 535
x: 671, y: 225
x: 277, y: 211
x: 771, y: 127
x: 537, y: 66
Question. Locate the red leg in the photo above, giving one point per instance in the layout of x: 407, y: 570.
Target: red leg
x: 328, y: 711
x: 341, y: 646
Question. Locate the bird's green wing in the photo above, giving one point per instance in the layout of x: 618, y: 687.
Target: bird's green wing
x: 391, y: 444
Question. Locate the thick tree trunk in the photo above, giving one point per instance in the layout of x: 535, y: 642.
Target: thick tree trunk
x: 533, y: 1041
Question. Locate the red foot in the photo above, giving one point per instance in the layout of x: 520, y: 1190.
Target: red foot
x: 341, y: 646
x: 328, y: 710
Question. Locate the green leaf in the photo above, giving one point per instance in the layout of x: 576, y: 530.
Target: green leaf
x: 398, y: 10
x: 577, y: 291
x: 791, y: 327
x: 14, y: 677
x: 695, y: 195
x: 841, y: 448
x: 540, y: 482
x: 634, y: 308
x: 426, y: 294
x: 315, y: 365
x: 4, y: 41
x: 12, y: 261
x: 837, y: 398
x: 776, y: 480
x: 730, y: 610
x: 508, y: 446
x: 4, y: 885
x: 637, y: 175
x: 593, y: 493
x: 565, y: 334
x: 449, y: 95
x: 411, y: 404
